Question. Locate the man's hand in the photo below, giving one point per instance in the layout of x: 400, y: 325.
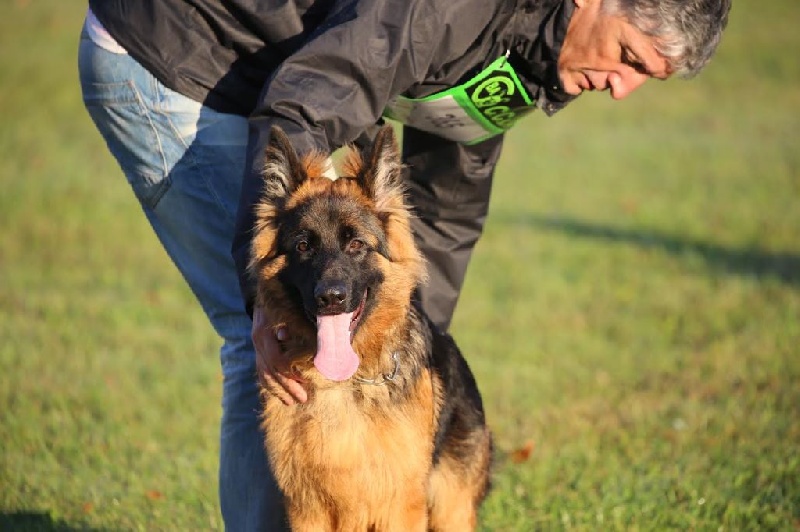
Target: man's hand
x: 272, y: 365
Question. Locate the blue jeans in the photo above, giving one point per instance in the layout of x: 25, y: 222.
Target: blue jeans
x: 185, y: 164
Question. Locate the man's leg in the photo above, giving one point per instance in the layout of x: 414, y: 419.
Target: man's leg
x: 185, y: 164
x: 449, y: 187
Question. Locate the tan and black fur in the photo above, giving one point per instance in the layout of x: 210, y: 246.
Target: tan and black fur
x: 401, y: 446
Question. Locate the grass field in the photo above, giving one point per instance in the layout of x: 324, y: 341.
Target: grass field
x: 632, y: 313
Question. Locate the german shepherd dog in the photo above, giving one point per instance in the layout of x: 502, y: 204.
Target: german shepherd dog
x: 393, y: 436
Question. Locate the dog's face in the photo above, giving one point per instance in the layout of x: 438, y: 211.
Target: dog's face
x: 340, y: 252
x: 330, y: 243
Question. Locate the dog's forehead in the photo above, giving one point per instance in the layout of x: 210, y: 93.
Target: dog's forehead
x: 328, y: 214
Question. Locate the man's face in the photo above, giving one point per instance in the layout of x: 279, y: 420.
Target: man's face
x: 603, y: 51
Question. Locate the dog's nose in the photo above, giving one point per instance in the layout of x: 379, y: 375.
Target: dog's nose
x: 330, y: 296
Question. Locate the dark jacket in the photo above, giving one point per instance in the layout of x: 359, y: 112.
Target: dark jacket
x: 324, y: 70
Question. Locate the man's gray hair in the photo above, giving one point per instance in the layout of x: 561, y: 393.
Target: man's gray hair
x: 687, y: 32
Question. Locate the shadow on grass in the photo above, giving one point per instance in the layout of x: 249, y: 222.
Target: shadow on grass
x: 37, y: 522
x: 747, y: 262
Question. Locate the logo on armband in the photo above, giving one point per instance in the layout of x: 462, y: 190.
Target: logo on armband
x: 498, y: 100
x: 486, y: 105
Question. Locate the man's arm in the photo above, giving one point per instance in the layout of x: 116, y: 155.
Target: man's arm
x: 335, y: 88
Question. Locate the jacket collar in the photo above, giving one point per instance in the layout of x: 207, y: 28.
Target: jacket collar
x: 539, y: 28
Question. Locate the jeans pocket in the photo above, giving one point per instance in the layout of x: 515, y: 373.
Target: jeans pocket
x: 111, y: 94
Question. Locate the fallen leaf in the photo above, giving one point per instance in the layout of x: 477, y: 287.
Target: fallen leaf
x: 523, y: 453
x: 154, y: 495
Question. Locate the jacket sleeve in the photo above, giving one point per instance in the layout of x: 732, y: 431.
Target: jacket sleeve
x: 336, y: 86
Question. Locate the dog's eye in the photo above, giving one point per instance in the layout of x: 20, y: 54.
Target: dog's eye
x: 356, y: 245
x: 302, y: 246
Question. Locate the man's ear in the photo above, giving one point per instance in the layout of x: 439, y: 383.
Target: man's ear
x: 282, y: 172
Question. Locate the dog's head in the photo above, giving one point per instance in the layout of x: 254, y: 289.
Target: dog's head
x: 335, y: 256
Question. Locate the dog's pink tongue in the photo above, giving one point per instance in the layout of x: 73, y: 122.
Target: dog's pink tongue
x: 335, y: 358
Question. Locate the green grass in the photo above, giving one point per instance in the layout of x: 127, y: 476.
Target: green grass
x: 632, y: 312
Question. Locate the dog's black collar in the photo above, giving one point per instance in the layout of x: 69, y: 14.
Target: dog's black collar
x: 385, y: 378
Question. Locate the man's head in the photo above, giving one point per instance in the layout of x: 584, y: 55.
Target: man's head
x: 620, y: 44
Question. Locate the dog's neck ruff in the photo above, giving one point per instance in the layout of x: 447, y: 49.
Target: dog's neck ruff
x: 384, y: 378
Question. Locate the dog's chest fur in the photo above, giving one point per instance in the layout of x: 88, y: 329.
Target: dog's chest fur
x: 343, y: 434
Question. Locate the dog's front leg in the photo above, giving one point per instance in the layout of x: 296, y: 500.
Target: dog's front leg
x: 307, y: 519
x: 408, y: 513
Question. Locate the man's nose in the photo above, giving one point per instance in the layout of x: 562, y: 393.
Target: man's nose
x: 625, y: 82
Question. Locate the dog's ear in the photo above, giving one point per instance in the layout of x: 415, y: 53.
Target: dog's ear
x: 283, y: 171
x: 381, y: 175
